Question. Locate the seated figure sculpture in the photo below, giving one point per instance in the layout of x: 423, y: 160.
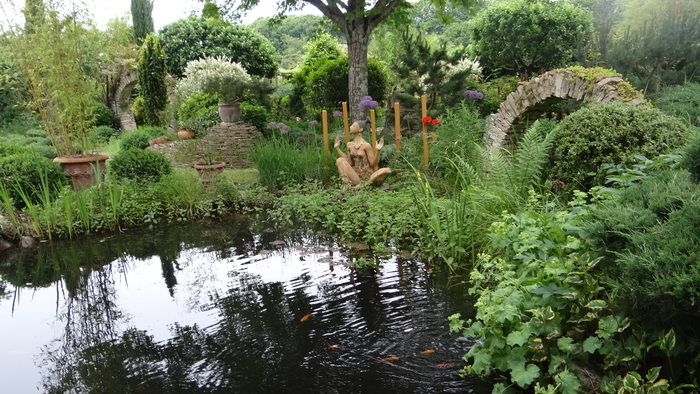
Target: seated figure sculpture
x: 360, y: 163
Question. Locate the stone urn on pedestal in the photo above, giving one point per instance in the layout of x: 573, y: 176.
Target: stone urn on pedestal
x: 230, y: 113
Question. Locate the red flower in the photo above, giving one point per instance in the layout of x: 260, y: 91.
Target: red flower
x: 435, y: 122
x: 427, y: 120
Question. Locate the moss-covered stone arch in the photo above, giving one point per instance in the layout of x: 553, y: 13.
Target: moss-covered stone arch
x: 598, y: 85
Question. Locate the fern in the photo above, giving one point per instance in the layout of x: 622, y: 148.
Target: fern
x: 490, y: 183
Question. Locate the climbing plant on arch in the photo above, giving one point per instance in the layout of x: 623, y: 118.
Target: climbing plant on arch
x: 597, y: 85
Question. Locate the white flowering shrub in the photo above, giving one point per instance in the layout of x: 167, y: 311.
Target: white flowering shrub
x: 216, y: 75
x: 471, y: 66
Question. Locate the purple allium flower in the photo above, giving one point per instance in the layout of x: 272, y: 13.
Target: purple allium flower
x: 368, y: 103
x: 337, y: 114
x: 473, y: 95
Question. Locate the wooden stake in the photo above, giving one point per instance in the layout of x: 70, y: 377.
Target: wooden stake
x: 397, y: 126
x: 346, y: 124
x: 426, y: 148
x: 373, y: 128
x: 324, y: 123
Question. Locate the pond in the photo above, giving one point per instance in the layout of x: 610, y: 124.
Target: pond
x: 225, y: 307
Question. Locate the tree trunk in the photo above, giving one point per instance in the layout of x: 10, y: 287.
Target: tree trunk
x: 358, y: 41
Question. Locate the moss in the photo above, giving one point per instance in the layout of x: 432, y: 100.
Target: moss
x: 627, y: 92
x: 592, y: 73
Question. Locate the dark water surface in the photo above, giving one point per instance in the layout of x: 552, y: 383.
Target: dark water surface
x: 223, y: 308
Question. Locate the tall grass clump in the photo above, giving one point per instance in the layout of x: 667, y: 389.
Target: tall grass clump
x: 454, y: 229
x: 280, y: 162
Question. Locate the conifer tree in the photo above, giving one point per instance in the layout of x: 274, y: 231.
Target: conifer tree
x: 152, y: 72
x: 142, y: 19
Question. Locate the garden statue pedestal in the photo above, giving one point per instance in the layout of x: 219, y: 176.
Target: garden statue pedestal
x: 360, y: 163
x: 83, y: 171
x: 231, y: 142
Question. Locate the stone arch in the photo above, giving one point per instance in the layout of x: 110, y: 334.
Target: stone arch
x: 590, y: 85
x: 120, y: 100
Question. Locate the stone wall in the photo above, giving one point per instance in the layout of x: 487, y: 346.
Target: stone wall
x: 229, y: 142
x: 232, y: 143
x: 556, y: 83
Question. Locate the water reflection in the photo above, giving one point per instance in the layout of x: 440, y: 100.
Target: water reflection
x: 226, y: 309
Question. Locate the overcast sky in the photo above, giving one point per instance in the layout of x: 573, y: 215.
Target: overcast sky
x: 164, y: 11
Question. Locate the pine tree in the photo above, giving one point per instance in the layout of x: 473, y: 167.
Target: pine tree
x: 141, y: 16
x: 152, y: 72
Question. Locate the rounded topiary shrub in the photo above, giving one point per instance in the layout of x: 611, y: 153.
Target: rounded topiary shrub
x: 139, y: 138
x: 141, y: 165
x: 26, y: 173
x: 135, y: 140
x: 611, y: 133
x: 691, y: 161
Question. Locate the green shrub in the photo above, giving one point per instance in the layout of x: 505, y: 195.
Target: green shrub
x: 256, y: 115
x: 11, y: 148
x: 141, y: 165
x: 523, y: 37
x: 201, y: 124
x: 608, y: 134
x: 139, y: 138
x: 544, y: 317
x: 682, y: 101
x: 651, y: 233
x: 327, y: 85
x: 138, y: 108
x: 22, y: 173
x: 691, y: 161
x: 650, y: 236
x: 134, y: 140
x: 195, y: 38
x: 194, y: 106
x: 102, y: 134
x: 104, y: 115
x: 151, y: 131
x: 495, y: 92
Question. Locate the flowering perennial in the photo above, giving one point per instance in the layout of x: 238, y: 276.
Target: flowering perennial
x: 473, y: 95
x: 368, y: 103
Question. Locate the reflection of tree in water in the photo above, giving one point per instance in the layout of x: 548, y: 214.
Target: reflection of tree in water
x: 258, y: 344
x: 90, y: 318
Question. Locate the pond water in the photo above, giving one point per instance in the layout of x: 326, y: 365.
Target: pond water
x: 221, y: 307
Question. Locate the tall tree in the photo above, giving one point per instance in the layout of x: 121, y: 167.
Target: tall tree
x: 356, y: 19
x: 605, y: 14
x: 141, y: 16
x: 34, y: 13
x: 152, y: 79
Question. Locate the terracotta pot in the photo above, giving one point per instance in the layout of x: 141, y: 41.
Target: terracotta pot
x: 83, y: 171
x: 158, y: 141
x: 230, y: 113
x: 185, y: 134
x: 207, y: 172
